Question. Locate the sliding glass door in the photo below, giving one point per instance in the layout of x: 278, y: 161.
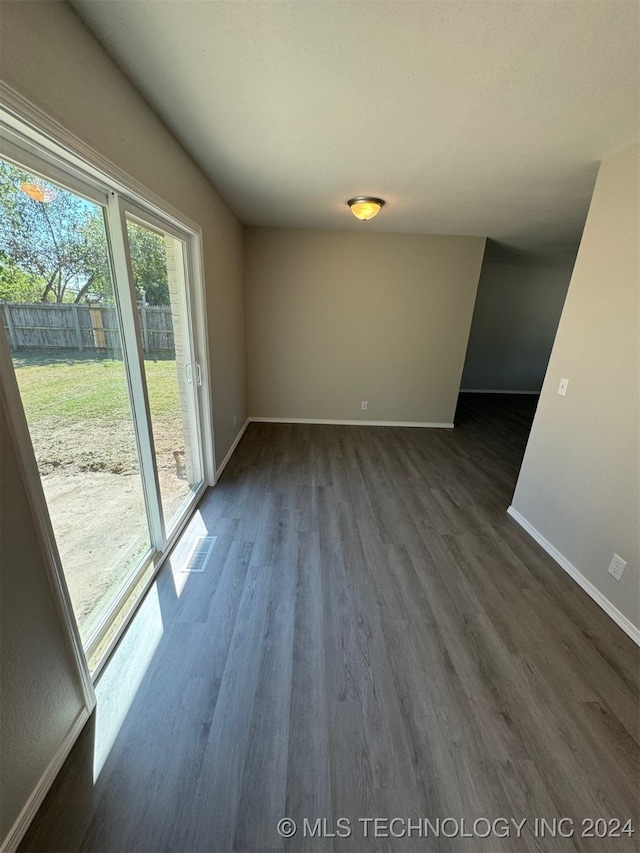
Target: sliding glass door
x: 95, y: 301
x: 158, y: 263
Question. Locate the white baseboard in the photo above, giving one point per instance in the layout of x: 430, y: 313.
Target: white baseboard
x: 494, y: 391
x: 224, y: 462
x: 350, y: 423
x: 610, y: 609
x: 19, y: 828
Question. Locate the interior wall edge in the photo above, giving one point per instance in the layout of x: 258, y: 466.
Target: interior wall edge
x: 30, y: 808
x: 610, y: 609
x: 232, y: 449
x: 578, y: 481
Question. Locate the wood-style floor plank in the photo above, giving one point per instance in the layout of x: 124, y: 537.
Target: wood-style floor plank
x: 373, y: 637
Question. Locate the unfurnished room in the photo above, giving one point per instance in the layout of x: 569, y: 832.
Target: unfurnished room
x: 319, y: 434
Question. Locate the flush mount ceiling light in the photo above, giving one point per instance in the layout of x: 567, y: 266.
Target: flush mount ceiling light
x: 365, y: 207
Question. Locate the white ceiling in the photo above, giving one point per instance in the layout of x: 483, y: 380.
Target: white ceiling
x: 475, y: 117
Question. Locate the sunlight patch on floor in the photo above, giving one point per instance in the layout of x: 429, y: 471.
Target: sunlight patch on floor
x: 180, y: 554
x: 120, y: 681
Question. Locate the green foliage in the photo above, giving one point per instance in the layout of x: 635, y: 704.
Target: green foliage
x: 149, y: 263
x: 54, y: 236
x: 53, y: 246
x: 16, y: 285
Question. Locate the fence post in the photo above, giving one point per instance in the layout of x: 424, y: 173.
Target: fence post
x: 97, y: 325
x: 13, y: 340
x: 76, y: 323
x: 145, y: 331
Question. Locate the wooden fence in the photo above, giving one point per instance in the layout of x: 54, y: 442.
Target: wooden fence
x: 81, y: 327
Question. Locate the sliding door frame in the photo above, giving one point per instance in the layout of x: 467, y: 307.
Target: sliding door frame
x: 189, y: 311
x: 134, y: 363
x: 37, y: 138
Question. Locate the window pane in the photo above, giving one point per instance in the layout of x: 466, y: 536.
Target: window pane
x: 159, y: 275
x: 61, y: 319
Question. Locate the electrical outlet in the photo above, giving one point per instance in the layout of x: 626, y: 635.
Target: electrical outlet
x: 562, y: 388
x: 364, y: 405
x: 617, y: 567
x: 235, y: 420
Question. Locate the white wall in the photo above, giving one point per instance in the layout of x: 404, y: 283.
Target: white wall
x: 335, y: 318
x: 50, y: 58
x: 578, y: 485
x: 514, y: 323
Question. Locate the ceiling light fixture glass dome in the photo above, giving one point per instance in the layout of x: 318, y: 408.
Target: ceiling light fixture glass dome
x: 365, y: 207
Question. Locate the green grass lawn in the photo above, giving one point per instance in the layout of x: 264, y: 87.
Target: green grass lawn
x: 79, y: 415
x: 76, y: 387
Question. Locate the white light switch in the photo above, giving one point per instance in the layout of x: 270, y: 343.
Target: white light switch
x: 562, y: 388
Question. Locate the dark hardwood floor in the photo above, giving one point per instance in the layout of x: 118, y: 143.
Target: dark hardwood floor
x: 373, y: 637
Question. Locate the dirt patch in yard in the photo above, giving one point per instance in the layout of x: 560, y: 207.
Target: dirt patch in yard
x: 91, y: 479
x: 110, y: 448
x: 79, y: 417
x: 100, y: 525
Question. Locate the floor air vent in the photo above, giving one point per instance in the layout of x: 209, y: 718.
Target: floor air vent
x: 200, y: 553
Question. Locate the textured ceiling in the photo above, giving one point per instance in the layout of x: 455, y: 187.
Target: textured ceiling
x: 484, y: 118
